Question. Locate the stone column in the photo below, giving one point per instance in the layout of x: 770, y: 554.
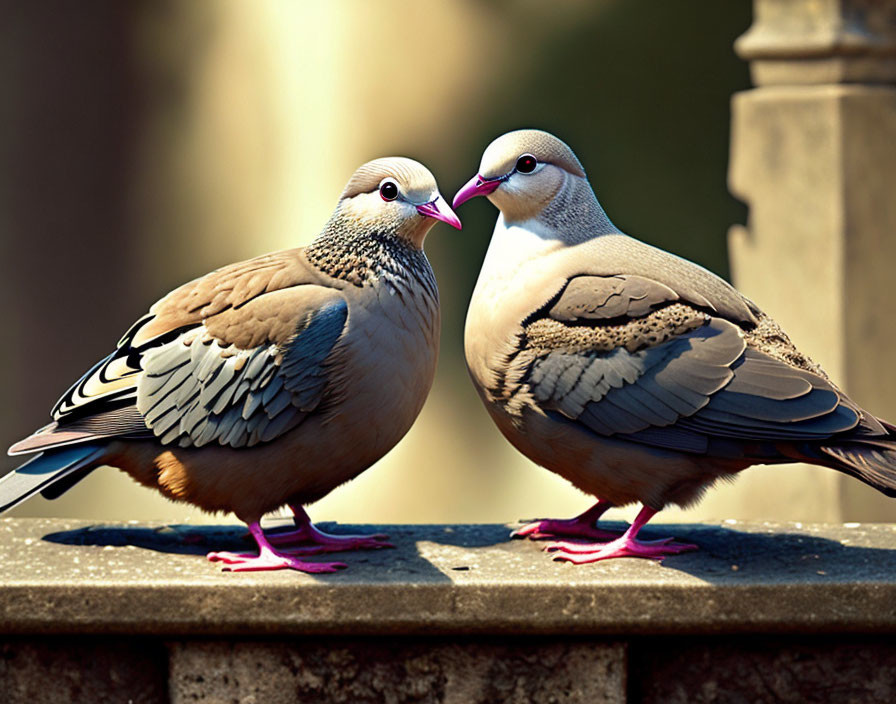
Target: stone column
x: 813, y: 153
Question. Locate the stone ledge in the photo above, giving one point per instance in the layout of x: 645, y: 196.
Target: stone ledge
x: 74, y: 577
x: 396, y: 670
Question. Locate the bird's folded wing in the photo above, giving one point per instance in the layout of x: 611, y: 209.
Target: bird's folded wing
x: 198, y: 389
x: 235, y: 358
x: 624, y: 357
x: 111, y: 383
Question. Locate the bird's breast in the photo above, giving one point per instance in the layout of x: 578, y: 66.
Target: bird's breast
x: 517, y: 278
x: 390, y: 353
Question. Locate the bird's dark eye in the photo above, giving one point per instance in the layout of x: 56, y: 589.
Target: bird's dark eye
x: 389, y: 190
x: 526, y: 164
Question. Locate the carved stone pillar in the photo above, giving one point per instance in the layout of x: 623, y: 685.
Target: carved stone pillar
x: 813, y: 153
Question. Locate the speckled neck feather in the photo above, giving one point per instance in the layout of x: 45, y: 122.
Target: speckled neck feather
x: 365, y: 257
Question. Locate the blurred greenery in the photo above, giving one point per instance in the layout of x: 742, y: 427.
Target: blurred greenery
x: 641, y: 91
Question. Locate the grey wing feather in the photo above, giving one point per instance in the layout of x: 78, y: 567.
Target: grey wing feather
x: 743, y: 427
x: 689, y: 391
x: 689, y: 368
x: 45, y: 469
x: 673, y: 438
x: 272, y: 388
x: 763, y: 377
x: 254, y: 400
x: 814, y: 403
x: 608, y: 415
x: 680, y: 406
x: 255, y: 365
x: 215, y: 393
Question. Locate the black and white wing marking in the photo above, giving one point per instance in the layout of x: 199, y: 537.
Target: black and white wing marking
x: 111, y: 382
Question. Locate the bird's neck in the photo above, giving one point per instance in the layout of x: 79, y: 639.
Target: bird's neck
x: 363, y: 255
x: 576, y: 215
x: 571, y: 218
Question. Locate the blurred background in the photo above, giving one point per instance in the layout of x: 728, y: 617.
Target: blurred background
x: 143, y: 144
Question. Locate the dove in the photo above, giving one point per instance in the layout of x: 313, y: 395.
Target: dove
x: 268, y: 382
x: 636, y: 375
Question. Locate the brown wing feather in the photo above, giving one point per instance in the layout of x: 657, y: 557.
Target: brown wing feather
x: 228, y: 288
x: 608, y: 297
x: 239, y: 304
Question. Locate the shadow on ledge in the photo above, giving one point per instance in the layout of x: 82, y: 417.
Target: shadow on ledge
x: 785, y: 552
x: 405, y: 563
x: 765, y: 552
x: 198, y: 540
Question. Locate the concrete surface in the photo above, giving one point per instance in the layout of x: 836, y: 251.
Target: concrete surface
x: 390, y: 671
x: 83, y: 669
x: 813, y: 155
x: 755, y: 671
x: 821, y: 41
x: 74, y: 577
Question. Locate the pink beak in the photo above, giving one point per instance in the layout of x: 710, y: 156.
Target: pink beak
x: 439, y: 210
x: 476, y: 186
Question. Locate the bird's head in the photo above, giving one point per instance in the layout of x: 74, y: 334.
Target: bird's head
x: 521, y: 172
x: 395, y: 195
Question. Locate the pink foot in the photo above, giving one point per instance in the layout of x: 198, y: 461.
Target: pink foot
x: 582, y: 526
x: 269, y: 559
x: 310, y: 540
x: 626, y: 545
x: 547, y: 528
x: 313, y: 541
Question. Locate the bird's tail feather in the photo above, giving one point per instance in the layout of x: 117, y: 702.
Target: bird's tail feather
x: 45, y: 469
x: 873, y: 463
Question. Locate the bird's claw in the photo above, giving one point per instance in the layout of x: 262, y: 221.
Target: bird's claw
x: 582, y: 553
x: 306, y: 550
x: 550, y: 528
x: 268, y: 561
x: 309, y: 540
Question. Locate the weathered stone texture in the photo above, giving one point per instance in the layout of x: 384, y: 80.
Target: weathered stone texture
x: 813, y: 154
x: 750, y: 671
x: 64, y: 577
x: 398, y: 671
x: 455, y: 614
x: 83, y: 669
x: 821, y: 41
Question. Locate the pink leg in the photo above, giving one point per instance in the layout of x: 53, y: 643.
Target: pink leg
x: 313, y: 541
x: 268, y: 558
x: 625, y: 546
x: 582, y: 526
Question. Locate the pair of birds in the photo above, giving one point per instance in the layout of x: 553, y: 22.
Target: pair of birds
x: 636, y: 375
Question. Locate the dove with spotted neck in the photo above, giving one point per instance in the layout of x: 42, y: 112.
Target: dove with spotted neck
x: 267, y: 382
